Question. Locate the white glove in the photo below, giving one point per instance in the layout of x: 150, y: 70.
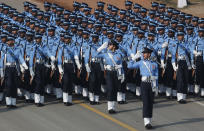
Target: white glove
x: 162, y: 64
x: 122, y: 78
x: 118, y: 67
x: 24, y: 66
x: 2, y: 72
x: 193, y: 66
x: 52, y: 66
x: 137, y: 56
x: 132, y: 56
x: 174, y: 66
x: 199, y: 53
x: 164, y: 45
x: 52, y: 58
x: 195, y: 52
x: 22, y: 69
x: 159, y: 52
x: 77, y: 62
x: 87, y: 68
x: 60, y: 69
x: 189, y: 67
x: 31, y: 72
x: 154, y: 78
x: 103, y: 46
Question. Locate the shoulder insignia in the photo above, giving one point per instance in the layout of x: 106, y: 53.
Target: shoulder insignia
x: 153, y: 66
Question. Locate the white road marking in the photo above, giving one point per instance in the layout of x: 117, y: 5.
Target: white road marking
x: 197, y: 102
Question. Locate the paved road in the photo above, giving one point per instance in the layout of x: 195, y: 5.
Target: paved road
x: 168, y: 115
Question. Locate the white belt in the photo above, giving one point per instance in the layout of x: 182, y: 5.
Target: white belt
x: 95, y: 60
x: 27, y: 58
x: 39, y: 61
x: 181, y: 57
x: 146, y: 79
x: 169, y: 55
x: 110, y: 68
x: 199, y: 53
x: 68, y: 61
x: 11, y: 64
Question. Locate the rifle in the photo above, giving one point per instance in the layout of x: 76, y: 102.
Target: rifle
x: 195, y: 59
x: 53, y: 71
x: 175, y: 72
x: 166, y: 54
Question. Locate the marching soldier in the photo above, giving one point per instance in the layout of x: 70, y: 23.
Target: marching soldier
x: 28, y: 48
x: 181, y: 64
x: 67, y: 56
x: 37, y: 68
x: 114, y: 72
x: 94, y: 68
x: 197, y: 59
x: 149, y: 72
x: 52, y: 43
x: 10, y: 57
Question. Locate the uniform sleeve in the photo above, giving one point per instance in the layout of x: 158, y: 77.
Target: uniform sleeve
x: 191, y: 52
x: 133, y: 65
x: 59, y: 55
x: 173, y: 60
x: 163, y: 51
x: 87, y: 55
x: 2, y: 59
x: 32, y: 55
x: 156, y: 70
x: 21, y: 59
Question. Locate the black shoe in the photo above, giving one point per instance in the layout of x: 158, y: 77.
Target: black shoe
x: 97, y: 103
x: 39, y: 104
x: 125, y: 102
x: 112, y: 111
x: 182, y: 101
x: 21, y: 97
x: 120, y: 102
x: 29, y: 101
x: 68, y: 104
x: 201, y: 96
x: 148, y: 126
x: 13, y: 106
x: 86, y: 98
x: 168, y: 97
x: 191, y: 93
x: 174, y: 97
x: 92, y: 103
x: 9, y: 106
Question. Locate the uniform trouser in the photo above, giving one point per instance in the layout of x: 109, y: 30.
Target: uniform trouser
x: 39, y: 79
x: 168, y: 75
x: 112, y: 84
x: 47, y: 76
x: 68, y: 78
x: 122, y: 88
x: 83, y: 75
x: 137, y: 77
x: 160, y: 78
x: 103, y: 80
x: 182, y: 77
x: 130, y: 78
x: 27, y: 85
x: 95, y: 79
x: 147, y: 99
x: 199, y: 72
x: 76, y: 80
x: 10, y: 82
x: 55, y: 79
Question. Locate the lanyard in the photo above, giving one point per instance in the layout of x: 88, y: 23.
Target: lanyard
x: 148, y: 68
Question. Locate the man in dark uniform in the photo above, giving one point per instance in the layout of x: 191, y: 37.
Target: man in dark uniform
x: 149, y: 73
